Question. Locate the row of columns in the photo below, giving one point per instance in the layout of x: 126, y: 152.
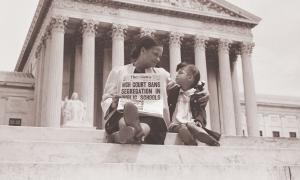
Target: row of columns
x: 53, y: 74
x: 229, y: 90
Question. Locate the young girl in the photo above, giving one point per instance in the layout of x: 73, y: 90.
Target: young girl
x: 187, y: 108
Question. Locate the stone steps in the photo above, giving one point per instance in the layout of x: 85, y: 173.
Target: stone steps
x: 91, y: 153
x: 69, y: 154
x: 111, y: 171
x: 62, y: 160
x: 86, y: 135
x: 24, y: 133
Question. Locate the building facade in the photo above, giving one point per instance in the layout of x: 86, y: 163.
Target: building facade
x: 278, y: 116
x: 73, y: 44
x: 16, y: 99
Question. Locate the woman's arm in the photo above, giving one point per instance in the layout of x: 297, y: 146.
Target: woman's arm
x: 110, y: 90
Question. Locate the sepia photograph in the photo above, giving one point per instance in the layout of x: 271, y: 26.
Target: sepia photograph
x: 150, y: 89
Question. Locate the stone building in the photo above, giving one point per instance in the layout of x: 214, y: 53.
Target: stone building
x: 73, y: 44
x: 277, y: 116
x: 16, y: 99
x: 71, y: 47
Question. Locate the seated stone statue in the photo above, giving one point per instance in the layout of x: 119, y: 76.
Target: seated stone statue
x: 73, y: 112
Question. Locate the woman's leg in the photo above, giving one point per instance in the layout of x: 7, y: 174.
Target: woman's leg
x: 158, y: 129
x: 131, y: 130
x: 146, y: 129
x: 126, y: 133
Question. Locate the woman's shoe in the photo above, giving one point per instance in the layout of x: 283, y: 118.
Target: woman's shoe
x: 125, y: 135
x: 131, y: 118
x: 214, y: 134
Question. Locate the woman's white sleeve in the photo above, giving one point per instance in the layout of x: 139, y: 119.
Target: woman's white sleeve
x: 110, y: 90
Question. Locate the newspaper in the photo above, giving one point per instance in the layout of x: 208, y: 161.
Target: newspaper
x: 144, y: 90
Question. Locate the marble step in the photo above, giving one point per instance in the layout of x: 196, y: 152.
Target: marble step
x: 127, y: 171
x: 75, y: 154
x: 21, y: 160
x: 93, y: 153
x: 26, y: 133
x: 47, y: 134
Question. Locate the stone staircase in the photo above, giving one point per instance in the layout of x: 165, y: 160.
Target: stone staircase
x: 34, y: 153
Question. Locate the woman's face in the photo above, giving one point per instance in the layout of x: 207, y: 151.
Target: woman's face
x: 152, y: 56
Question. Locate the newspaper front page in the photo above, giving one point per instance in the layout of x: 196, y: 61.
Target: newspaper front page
x: 144, y: 90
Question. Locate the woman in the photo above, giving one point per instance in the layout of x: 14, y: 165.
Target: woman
x: 130, y: 127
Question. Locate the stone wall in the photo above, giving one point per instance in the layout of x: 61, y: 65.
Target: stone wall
x: 16, y: 99
x: 277, y: 115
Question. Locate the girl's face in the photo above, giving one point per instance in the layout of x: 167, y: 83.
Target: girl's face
x: 184, y: 79
x: 151, y: 56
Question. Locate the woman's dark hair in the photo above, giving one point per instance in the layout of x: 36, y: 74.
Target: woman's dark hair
x: 192, y: 70
x: 146, y: 42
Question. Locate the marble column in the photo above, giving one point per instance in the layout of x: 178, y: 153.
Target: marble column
x: 220, y: 102
x: 200, y: 62
x: 55, y: 74
x: 107, y: 65
x: 236, y: 96
x: 213, y: 96
x: 175, y: 52
x: 226, y: 88
x: 88, y: 69
x: 40, y: 56
x: 249, y: 90
x: 77, y: 69
x: 147, y: 32
x: 47, y: 38
x: 118, y: 35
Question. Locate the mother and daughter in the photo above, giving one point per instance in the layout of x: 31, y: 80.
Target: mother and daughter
x: 183, y: 102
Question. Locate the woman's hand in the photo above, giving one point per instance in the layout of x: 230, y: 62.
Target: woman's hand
x: 115, y: 101
x: 171, y: 84
x: 202, y: 98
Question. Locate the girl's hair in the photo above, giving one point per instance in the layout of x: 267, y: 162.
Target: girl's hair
x: 192, y: 70
x: 146, y: 42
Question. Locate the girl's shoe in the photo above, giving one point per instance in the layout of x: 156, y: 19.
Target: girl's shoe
x: 201, y: 135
